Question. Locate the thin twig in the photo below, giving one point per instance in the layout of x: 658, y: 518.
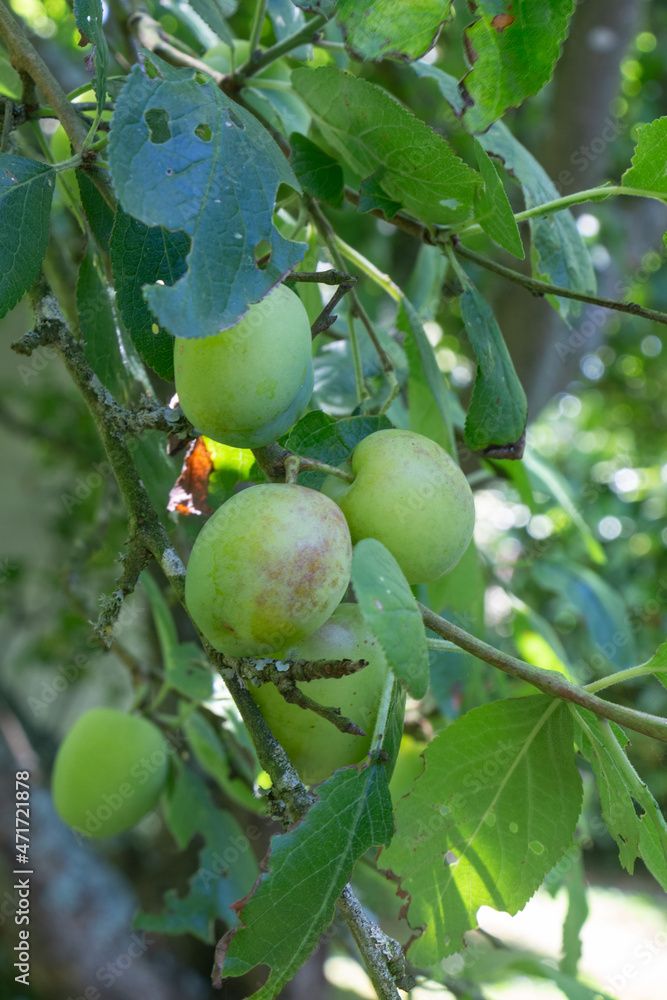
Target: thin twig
x: 383, y: 957
x: 547, y: 681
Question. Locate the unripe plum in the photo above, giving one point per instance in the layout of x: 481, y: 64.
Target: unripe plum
x: 247, y: 385
x: 109, y: 772
x: 314, y: 745
x: 267, y: 569
x: 409, y: 494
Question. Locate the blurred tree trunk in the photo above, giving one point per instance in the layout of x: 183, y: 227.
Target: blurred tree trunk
x: 575, y: 155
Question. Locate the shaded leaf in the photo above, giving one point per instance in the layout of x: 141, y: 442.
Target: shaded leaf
x: 426, y: 382
x: 318, y: 173
x: 213, y: 13
x: 186, y: 157
x: 480, y: 825
x: 98, y: 213
x: 659, y: 663
x: 493, y: 210
x: 227, y: 867
x: 390, y: 611
x: 320, y: 436
x: 498, y: 407
x: 26, y: 190
x: 141, y: 256
x: 374, y: 31
x: 375, y: 135
x: 372, y: 198
x: 212, y: 755
x: 101, y: 336
x: 593, y: 599
x: 512, y: 48
x: 293, y: 904
x: 89, y: 18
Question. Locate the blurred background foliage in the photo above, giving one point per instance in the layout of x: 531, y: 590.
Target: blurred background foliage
x: 572, y: 571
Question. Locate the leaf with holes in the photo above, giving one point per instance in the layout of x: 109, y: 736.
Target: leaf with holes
x: 184, y: 156
x: 492, y: 813
x: 637, y: 835
x: 375, y: 31
x: 142, y: 255
x: 308, y: 868
x: 26, y: 191
x: 512, y: 48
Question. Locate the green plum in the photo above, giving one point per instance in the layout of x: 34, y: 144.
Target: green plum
x: 249, y: 384
x: 315, y: 746
x: 409, y: 494
x: 267, y: 569
x: 109, y: 772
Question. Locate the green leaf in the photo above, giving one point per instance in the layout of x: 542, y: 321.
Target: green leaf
x: 164, y: 623
x: 601, y: 607
x: 648, y: 162
x: 493, y: 210
x: 213, y: 13
x: 227, y: 867
x: 317, y: 435
x: 318, y: 173
x: 185, y: 157
x: 426, y: 382
x: 375, y: 135
x: 142, y: 256
x: 375, y: 31
x: 620, y: 787
x: 89, y: 18
x: 562, y: 257
x: 498, y: 407
x: 211, y: 754
x: 391, y: 613
x: 157, y: 469
x: 26, y: 190
x: 372, y: 197
x: 512, y: 49
x: 659, y: 663
x: 98, y: 213
x: 188, y: 672
x: 293, y: 904
x: 97, y: 323
x: 447, y: 84
x: 547, y: 477
x: 576, y: 916
x: 494, y: 810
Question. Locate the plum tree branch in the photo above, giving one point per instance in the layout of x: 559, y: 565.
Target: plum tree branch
x: 533, y: 285
x: 547, y: 681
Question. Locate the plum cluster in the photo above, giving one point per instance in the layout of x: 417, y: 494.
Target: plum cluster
x: 270, y: 568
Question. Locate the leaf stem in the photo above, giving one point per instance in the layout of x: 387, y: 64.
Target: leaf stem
x: 643, y: 670
x: 258, y: 19
x: 576, y: 198
x: 548, y: 681
x: 304, y: 34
